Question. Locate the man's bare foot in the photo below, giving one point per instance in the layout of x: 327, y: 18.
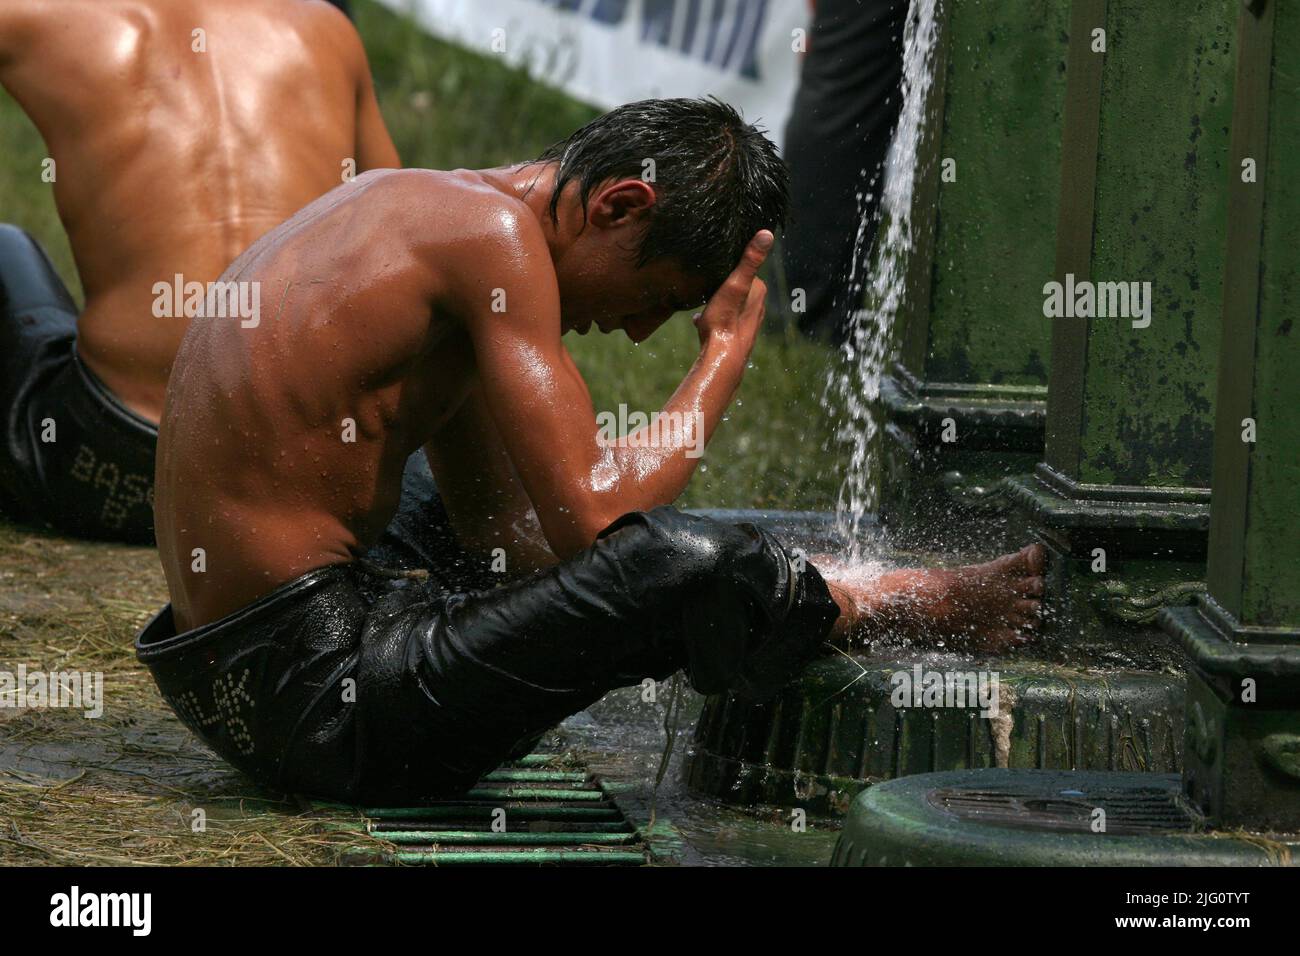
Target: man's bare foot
x: 987, y: 607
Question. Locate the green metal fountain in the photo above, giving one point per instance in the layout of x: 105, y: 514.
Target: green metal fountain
x: 1110, y: 148
x: 1110, y: 480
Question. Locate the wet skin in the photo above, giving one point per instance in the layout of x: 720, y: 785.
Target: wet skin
x: 427, y: 309
x: 987, y: 607
x: 174, y: 161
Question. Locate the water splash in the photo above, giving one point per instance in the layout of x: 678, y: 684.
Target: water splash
x: 853, y: 385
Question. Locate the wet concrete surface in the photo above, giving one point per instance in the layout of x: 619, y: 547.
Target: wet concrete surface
x: 623, y: 739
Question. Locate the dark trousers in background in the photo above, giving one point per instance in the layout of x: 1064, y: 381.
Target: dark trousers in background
x: 73, y: 458
x: 835, y: 144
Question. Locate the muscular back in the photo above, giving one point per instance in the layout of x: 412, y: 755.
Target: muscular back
x: 175, y: 150
x: 283, y: 441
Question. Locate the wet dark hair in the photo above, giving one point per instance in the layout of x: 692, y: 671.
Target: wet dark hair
x: 717, y: 179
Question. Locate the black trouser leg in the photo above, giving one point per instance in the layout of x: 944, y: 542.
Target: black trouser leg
x: 658, y: 591
x: 839, y: 132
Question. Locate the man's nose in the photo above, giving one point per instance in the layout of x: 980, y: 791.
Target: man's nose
x: 640, y: 327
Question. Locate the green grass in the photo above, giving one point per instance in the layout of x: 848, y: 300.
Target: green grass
x: 448, y: 108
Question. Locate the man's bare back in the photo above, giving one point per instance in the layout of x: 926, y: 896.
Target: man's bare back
x: 181, y: 130
x: 283, y: 444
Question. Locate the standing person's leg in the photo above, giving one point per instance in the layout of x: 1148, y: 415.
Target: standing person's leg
x: 836, y: 140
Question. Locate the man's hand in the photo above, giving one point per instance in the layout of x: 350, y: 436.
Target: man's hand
x: 735, y: 312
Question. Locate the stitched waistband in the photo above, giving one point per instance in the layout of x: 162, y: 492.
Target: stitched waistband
x: 158, y: 639
x: 111, y: 403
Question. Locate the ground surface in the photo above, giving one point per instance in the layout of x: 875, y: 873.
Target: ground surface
x: 124, y: 787
x: 127, y: 787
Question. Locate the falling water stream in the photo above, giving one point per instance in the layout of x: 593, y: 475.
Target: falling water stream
x: 875, y: 296
x: 621, y: 735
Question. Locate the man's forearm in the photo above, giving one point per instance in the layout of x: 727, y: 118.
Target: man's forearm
x: 655, y: 462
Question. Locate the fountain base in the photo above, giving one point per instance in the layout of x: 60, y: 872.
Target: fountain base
x: 843, y: 724
x: 1043, y: 818
x: 840, y: 728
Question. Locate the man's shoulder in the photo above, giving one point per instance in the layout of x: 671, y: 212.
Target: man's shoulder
x: 459, y: 212
x: 24, y: 26
x: 329, y: 24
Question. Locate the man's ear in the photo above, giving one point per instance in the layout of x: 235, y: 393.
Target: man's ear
x: 621, y: 202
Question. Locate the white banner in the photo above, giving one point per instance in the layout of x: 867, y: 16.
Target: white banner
x: 608, y: 52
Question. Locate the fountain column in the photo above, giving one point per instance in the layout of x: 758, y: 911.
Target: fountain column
x: 1121, y: 497
x: 1242, y: 746
x: 966, y: 400
x: 1237, y: 801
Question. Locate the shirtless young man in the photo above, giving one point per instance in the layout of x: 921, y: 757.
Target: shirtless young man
x: 425, y: 309
x: 181, y: 131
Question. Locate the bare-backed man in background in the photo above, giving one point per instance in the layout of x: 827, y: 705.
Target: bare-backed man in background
x: 180, y: 132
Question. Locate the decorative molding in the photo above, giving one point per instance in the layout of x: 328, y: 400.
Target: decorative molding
x: 1130, y: 605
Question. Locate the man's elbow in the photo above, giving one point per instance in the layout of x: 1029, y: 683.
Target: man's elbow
x: 581, y: 531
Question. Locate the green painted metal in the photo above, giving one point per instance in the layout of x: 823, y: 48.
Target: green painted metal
x: 1255, y: 553
x: 1040, y: 818
x: 1243, y: 638
x: 975, y: 317
x: 973, y: 344
x: 837, y: 730
x: 526, y: 856
x: 536, y: 760
x: 481, y: 838
x: 1122, y: 496
x: 1134, y: 406
x: 533, y: 776
x: 580, y: 822
x: 1074, y: 237
x: 1133, y: 474
x: 1113, y: 561
x: 483, y: 811
x: 532, y: 793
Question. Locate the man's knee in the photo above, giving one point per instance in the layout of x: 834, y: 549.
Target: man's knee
x: 695, y: 551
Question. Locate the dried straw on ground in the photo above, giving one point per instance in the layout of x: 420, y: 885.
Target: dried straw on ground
x: 131, y: 787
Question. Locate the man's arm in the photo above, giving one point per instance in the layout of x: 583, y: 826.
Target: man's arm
x: 577, y: 483
x: 374, y: 147
x: 484, y: 497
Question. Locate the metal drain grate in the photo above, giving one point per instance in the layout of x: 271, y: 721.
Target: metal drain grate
x: 1027, y: 807
x: 552, y: 815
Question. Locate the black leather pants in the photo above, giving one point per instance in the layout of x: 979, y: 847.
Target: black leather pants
x: 354, y: 685
x: 74, y: 458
